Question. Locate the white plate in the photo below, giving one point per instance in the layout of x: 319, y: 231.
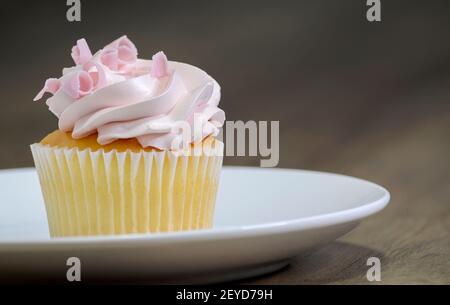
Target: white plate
x: 264, y: 217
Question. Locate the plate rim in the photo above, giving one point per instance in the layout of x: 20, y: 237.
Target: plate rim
x: 232, y: 232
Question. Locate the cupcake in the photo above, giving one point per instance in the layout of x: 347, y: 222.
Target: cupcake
x: 135, y: 149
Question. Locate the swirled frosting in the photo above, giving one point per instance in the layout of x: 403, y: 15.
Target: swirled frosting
x: 118, y: 96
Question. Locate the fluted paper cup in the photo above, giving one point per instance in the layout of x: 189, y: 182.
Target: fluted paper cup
x: 102, y: 193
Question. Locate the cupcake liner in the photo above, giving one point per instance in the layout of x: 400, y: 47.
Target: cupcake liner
x: 101, y: 193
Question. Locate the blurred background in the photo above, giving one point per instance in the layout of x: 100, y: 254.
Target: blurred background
x: 344, y: 90
x: 354, y: 97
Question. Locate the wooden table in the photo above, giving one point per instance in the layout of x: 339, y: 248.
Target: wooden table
x: 369, y: 100
x: 407, y: 152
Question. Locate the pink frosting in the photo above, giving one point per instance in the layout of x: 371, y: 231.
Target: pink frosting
x: 118, y: 96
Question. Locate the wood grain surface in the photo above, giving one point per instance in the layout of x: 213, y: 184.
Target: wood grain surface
x: 370, y: 100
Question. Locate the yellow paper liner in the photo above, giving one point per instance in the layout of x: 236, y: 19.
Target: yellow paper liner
x: 102, y: 193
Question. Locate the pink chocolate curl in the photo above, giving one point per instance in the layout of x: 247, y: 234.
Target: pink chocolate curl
x: 84, y: 82
x: 78, y: 84
x: 81, y: 52
x: 51, y: 85
x: 160, y: 66
x: 119, y: 53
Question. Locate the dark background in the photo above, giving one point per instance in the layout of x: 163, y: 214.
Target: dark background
x: 360, y: 98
